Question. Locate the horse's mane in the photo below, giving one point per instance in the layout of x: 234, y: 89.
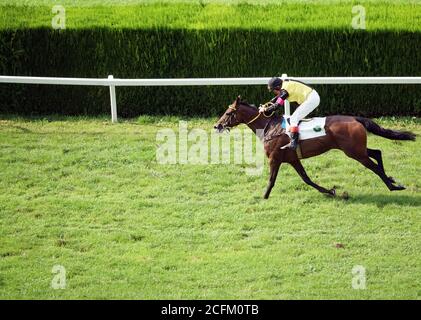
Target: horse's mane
x: 244, y: 102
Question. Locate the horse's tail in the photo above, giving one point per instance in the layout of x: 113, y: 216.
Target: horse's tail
x: 374, y: 128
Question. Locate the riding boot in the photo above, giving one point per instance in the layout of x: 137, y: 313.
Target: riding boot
x: 294, y: 138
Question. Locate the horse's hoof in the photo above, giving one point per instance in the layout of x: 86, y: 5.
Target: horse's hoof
x: 331, y: 192
x: 397, y: 188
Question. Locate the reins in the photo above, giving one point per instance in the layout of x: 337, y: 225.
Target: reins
x: 256, y: 117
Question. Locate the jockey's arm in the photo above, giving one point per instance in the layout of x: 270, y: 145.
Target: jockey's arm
x: 278, y: 101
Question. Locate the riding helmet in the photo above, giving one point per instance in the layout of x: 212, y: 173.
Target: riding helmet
x: 275, y: 82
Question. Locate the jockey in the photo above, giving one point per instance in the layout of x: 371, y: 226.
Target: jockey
x: 295, y: 91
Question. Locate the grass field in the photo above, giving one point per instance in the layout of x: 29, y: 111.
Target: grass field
x: 90, y: 196
x: 268, y: 15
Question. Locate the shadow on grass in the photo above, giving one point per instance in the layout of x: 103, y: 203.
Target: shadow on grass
x: 385, y: 199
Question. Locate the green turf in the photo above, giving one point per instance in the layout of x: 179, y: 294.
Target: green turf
x: 128, y: 2
x: 269, y: 15
x: 89, y: 195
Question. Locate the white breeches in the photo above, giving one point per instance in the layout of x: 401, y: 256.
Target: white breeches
x: 305, y: 108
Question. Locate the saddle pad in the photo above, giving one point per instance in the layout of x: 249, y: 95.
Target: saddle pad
x: 308, y: 128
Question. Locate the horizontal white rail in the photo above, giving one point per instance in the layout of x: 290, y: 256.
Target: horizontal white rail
x: 56, y: 81
x: 203, y: 81
x: 112, y: 82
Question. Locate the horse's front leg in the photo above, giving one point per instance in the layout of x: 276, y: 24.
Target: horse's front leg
x: 274, y: 169
x: 301, y: 171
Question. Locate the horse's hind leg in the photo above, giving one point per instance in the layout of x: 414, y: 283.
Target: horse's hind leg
x: 358, y: 150
x: 301, y: 171
x: 370, y: 164
x: 377, y: 155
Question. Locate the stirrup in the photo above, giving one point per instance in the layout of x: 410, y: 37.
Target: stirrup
x: 293, y: 144
x: 294, y: 141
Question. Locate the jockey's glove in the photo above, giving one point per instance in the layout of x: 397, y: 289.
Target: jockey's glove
x: 272, y: 107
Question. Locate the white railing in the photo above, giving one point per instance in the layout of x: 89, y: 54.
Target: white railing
x: 111, y: 82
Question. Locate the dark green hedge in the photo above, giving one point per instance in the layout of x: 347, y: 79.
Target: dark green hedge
x: 205, y: 53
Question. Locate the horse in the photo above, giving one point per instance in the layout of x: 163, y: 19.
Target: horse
x: 346, y: 133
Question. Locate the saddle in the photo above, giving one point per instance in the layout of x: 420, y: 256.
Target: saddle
x: 308, y: 128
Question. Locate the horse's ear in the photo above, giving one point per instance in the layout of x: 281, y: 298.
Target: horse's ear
x: 238, y: 99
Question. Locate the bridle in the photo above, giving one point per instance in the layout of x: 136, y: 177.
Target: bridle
x: 232, y: 107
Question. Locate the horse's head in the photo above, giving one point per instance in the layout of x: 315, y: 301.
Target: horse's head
x: 237, y: 112
x: 229, y: 119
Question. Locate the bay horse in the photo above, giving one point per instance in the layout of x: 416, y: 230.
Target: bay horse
x: 346, y: 133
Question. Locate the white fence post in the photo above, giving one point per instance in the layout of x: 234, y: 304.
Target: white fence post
x: 113, y: 101
x: 286, y: 103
